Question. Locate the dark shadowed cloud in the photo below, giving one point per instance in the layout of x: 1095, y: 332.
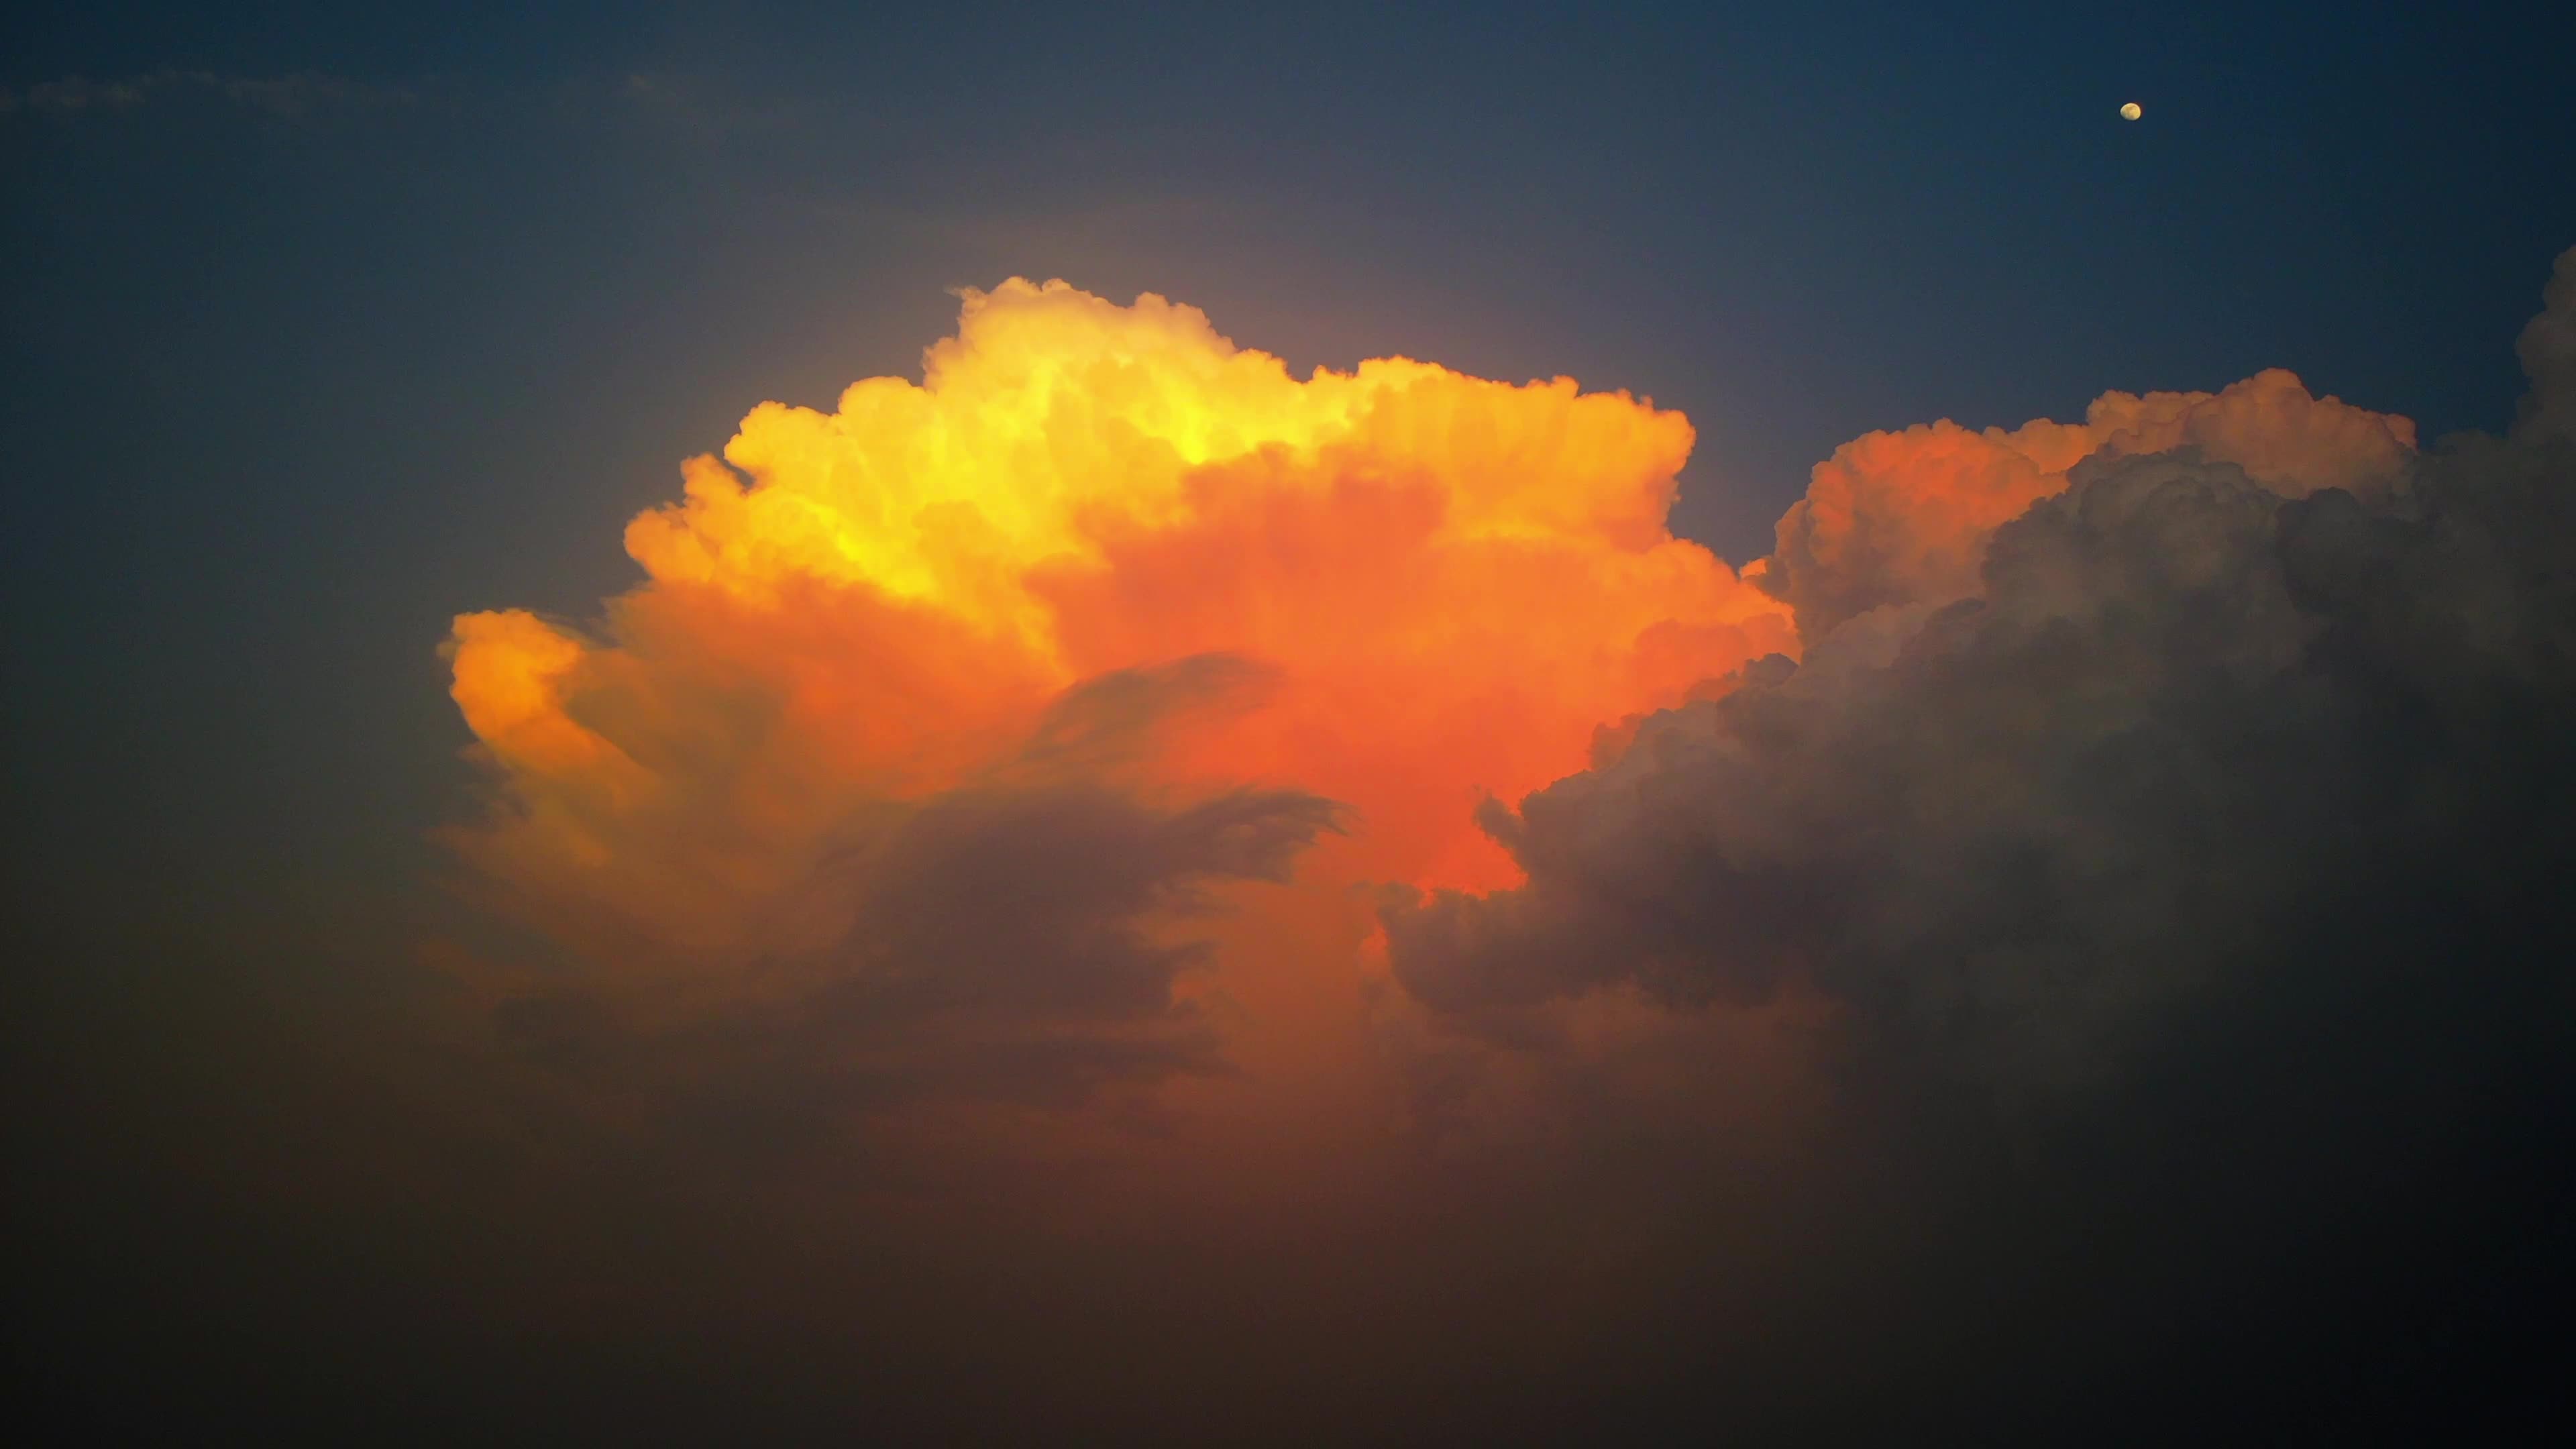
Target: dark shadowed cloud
x: 2185, y: 911
x: 1017, y: 940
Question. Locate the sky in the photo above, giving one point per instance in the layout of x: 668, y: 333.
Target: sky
x: 1396, y: 721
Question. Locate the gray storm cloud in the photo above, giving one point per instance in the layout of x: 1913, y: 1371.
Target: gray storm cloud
x: 2199, y: 737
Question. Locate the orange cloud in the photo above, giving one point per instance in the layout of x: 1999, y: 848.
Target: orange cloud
x: 1399, y: 588
x: 1901, y: 518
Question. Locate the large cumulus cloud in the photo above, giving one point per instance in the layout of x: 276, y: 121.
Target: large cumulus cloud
x: 951, y: 729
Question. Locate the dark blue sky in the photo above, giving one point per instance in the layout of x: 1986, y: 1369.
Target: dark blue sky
x: 324, y: 324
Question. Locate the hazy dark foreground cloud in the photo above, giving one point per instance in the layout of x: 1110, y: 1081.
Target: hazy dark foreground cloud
x: 1018, y: 940
x: 998, y: 949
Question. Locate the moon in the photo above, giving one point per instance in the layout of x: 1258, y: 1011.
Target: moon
x: 2130, y: 111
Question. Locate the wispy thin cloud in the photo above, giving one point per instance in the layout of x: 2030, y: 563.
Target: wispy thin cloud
x: 698, y: 110
x: 286, y: 97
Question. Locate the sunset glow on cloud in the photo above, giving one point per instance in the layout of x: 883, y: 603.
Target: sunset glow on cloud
x: 1903, y: 517
x: 1423, y: 588
x: 964, y: 702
